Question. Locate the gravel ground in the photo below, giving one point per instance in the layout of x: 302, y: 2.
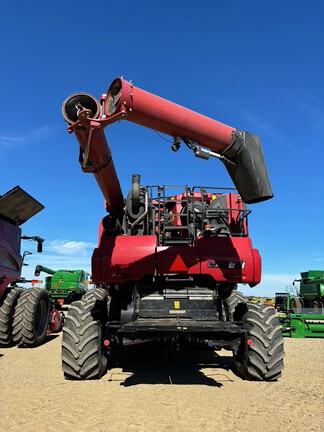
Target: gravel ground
x: 150, y: 389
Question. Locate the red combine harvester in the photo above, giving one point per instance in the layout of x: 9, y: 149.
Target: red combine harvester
x: 26, y: 315
x: 169, y: 259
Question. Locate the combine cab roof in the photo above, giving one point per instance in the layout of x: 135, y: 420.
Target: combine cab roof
x: 18, y: 206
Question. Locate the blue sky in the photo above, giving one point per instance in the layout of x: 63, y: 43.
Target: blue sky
x: 254, y: 65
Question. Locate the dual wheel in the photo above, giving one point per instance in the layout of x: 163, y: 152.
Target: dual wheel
x: 83, y: 352
x: 24, y: 317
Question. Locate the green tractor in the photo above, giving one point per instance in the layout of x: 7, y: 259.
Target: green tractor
x: 64, y: 286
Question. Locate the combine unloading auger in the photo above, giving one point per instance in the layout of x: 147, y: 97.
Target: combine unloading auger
x: 240, y: 151
x: 167, y: 267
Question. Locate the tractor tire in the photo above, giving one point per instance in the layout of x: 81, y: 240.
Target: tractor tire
x: 83, y: 352
x: 260, y: 356
x: 31, y: 318
x: 8, y: 305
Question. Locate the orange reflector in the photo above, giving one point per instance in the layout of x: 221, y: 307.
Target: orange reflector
x: 178, y: 265
x: 249, y: 342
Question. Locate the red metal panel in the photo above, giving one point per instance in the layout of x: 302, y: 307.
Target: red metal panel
x: 257, y: 267
x: 177, y: 259
x: 154, y: 112
x: 123, y: 258
x: 126, y: 258
x: 229, y: 259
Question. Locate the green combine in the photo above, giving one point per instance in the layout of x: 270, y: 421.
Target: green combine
x: 311, y: 289
x: 64, y: 286
x: 301, y: 311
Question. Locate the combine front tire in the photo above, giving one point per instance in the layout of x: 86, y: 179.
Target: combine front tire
x: 296, y: 304
x: 8, y: 304
x: 260, y: 355
x: 31, y: 318
x: 83, y: 353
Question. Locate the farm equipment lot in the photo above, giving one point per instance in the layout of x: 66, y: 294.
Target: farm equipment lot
x: 151, y: 389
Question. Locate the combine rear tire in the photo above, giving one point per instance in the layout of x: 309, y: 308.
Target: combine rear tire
x: 8, y: 304
x: 31, y: 318
x: 260, y: 355
x: 95, y: 294
x: 233, y: 304
x: 83, y: 353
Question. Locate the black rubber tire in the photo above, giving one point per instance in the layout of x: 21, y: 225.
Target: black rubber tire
x: 8, y: 303
x: 234, y: 305
x: 31, y: 318
x: 100, y: 295
x: 317, y: 307
x: 296, y: 304
x: 83, y: 353
x: 262, y: 359
x: 95, y: 294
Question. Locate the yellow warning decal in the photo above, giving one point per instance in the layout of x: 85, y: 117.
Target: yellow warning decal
x: 176, y: 304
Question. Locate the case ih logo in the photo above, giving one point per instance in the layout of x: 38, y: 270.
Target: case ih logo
x: 226, y: 264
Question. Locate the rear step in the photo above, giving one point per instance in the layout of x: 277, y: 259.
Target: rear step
x: 182, y: 325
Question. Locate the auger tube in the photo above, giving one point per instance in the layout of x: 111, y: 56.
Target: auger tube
x: 40, y: 268
x: 249, y: 174
x: 242, y: 151
x: 81, y: 111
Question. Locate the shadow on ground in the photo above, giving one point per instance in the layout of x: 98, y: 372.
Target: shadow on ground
x: 154, y: 364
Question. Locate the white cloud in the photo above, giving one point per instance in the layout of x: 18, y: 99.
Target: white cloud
x: 58, y: 255
x: 36, y: 135
x: 9, y: 142
x: 70, y: 247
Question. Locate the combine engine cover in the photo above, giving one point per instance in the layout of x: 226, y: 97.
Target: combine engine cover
x: 199, y: 234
